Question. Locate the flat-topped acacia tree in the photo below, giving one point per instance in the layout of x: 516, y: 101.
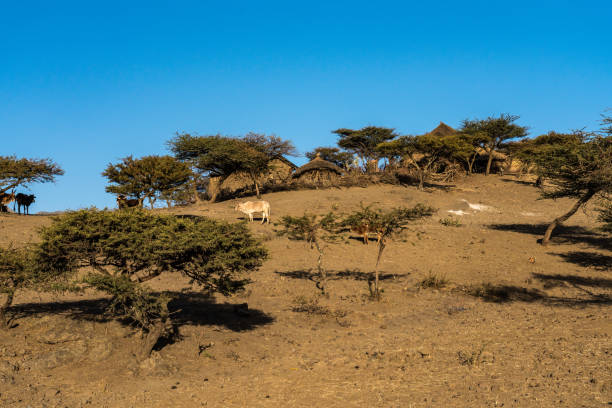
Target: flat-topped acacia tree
x: 123, y: 249
x: 15, y: 172
x: 149, y: 177
x: 363, y: 142
x: 220, y: 156
x: 314, y: 230
x: 493, y: 133
x: 576, y: 170
x: 386, y: 224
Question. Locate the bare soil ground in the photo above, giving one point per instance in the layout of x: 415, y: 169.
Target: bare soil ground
x: 538, y: 335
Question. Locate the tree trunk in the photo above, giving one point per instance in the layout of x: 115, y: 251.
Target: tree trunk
x: 488, y: 169
x: 322, y: 284
x: 194, y: 187
x: 539, y: 182
x: 214, y: 187
x: 150, y: 340
x: 586, y: 197
x: 4, y: 321
x: 381, y: 248
x: 421, y: 179
x: 256, y: 185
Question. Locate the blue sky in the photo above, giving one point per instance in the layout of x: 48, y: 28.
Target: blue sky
x: 88, y: 83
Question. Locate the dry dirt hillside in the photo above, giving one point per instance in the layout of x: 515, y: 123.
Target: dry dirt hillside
x: 517, y: 325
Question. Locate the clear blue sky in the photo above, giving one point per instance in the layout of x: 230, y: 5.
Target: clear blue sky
x: 87, y: 83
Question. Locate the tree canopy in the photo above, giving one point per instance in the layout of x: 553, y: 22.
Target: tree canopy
x: 150, y: 176
x: 123, y: 248
x: 578, y: 165
x: 16, y: 172
x: 363, y: 142
x: 333, y: 155
x: 493, y: 133
x: 420, y: 152
x: 220, y: 156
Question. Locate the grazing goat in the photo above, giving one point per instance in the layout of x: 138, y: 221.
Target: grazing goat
x: 364, y: 230
x: 250, y: 207
x: 25, y: 201
x: 124, y: 202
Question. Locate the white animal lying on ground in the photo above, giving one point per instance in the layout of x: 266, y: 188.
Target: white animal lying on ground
x: 478, y: 207
x: 458, y: 212
x: 250, y: 207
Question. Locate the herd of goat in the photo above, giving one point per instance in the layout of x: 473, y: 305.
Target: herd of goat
x: 19, y: 199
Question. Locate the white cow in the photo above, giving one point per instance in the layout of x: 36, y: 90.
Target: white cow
x: 250, y: 207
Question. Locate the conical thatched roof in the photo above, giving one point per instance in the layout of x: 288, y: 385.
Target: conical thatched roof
x: 442, y: 130
x: 317, y: 164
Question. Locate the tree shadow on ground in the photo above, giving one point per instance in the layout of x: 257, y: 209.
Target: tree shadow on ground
x: 561, y: 235
x: 588, y: 259
x: 187, y: 308
x: 338, y: 275
x: 574, y: 280
x: 517, y: 181
x: 510, y: 293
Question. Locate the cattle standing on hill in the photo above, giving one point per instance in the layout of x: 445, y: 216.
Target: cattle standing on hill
x: 24, y: 200
x: 250, y: 207
x: 124, y: 202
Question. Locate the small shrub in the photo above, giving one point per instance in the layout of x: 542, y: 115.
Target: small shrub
x: 471, y: 358
x: 450, y: 222
x: 432, y: 281
x: 301, y: 304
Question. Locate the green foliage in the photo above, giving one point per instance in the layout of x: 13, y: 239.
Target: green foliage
x: 124, y: 248
x: 130, y: 300
x: 313, y: 229
x: 150, y: 176
x: 390, y: 222
x: 219, y: 156
x: 421, y: 152
x: 530, y: 151
x: 139, y: 246
x: 432, y: 281
x: 450, y: 222
x: 333, y: 155
x: 492, y: 134
x: 605, y: 215
x: 576, y: 166
x: 386, y: 224
x: 16, y: 269
x: 16, y: 172
x: 363, y: 142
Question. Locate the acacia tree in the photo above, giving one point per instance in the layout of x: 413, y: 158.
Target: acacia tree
x: 16, y: 172
x: 386, y: 224
x: 576, y: 170
x: 420, y: 152
x: 149, y: 177
x: 122, y: 249
x: 219, y: 156
x: 528, y: 150
x: 314, y: 230
x: 332, y: 154
x: 493, y: 133
x: 464, y: 147
x: 16, y: 267
x: 363, y: 143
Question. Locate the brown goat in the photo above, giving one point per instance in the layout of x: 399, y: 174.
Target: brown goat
x: 364, y: 230
x: 123, y: 202
x: 24, y: 200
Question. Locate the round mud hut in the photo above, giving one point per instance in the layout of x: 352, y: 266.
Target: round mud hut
x: 318, y: 173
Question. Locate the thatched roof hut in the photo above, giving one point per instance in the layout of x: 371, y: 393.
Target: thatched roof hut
x: 318, y: 172
x: 442, y: 130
